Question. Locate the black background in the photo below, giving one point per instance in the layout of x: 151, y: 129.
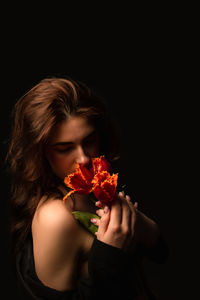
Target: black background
x: 138, y: 61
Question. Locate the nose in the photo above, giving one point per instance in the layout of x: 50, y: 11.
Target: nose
x: 82, y: 157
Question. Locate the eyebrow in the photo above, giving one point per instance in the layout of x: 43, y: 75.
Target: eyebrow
x: 69, y: 143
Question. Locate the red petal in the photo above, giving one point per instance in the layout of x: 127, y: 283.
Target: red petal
x: 96, y: 179
x: 68, y: 194
x: 100, y: 176
x: 87, y: 174
x: 80, y: 180
x: 101, y: 194
x: 100, y: 164
x: 105, y: 186
x: 109, y: 188
x: 75, y: 181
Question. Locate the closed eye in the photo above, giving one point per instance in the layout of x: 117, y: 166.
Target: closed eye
x: 64, y: 147
x: 64, y: 150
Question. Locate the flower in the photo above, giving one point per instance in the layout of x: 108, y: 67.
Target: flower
x: 100, y: 164
x: 104, y: 186
x: 81, y: 180
x: 96, y: 179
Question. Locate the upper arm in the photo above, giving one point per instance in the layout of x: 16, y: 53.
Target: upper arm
x: 56, y: 244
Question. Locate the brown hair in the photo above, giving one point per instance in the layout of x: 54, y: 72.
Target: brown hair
x: 49, y: 102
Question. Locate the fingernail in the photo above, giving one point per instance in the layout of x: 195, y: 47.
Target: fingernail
x: 99, y: 204
x: 106, y: 209
x: 93, y: 220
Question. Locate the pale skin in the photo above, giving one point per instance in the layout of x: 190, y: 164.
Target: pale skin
x: 60, y: 244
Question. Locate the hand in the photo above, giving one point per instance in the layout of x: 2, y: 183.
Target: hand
x: 117, y: 224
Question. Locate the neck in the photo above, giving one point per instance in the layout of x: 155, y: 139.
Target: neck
x: 84, y: 203
x: 79, y: 202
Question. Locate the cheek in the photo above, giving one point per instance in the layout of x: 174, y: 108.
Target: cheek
x: 60, y: 164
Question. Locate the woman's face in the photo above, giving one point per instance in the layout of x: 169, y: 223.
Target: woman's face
x: 72, y: 141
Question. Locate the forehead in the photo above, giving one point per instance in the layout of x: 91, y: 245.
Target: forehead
x: 72, y: 130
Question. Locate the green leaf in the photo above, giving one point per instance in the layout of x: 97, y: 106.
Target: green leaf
x: 84, y: 218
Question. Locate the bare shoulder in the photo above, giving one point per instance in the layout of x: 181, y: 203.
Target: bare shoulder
x: 54, y: 221
x: 54, y: 214
x: 57, y: 240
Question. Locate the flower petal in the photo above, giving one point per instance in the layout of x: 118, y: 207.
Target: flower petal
x: 100, y: 164
x: 87, y: 174
x: 104, y: 186
x: 100, y: 177
x: 101, y: 195
x: 68, y: 194
x: 96, y: 179
x: 80, y: 179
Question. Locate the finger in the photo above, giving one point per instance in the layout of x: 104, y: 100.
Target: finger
x: 99, y: 204
x: 100, y: 212
x: 116, y: 213
x: 104, y: 221
x: 126, y: 215
x: 133, y: 208
x: 128, y: 198
x: 95, y: 221
x: 136, y: 205
x: 131, y: 205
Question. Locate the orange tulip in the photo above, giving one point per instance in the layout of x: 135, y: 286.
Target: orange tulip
x: 80, y: 181
x: 97, y: 179
x: 100, y: 164
x: 104, y: 186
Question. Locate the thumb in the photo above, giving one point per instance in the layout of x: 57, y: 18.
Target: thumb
x: 104, y: 221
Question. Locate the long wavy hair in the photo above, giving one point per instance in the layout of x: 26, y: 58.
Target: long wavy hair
x: 36, y: 113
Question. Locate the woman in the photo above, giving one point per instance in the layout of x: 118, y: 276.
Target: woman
x: 60, y: 123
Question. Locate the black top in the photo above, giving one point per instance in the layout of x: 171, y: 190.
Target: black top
x: 112, y: 274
